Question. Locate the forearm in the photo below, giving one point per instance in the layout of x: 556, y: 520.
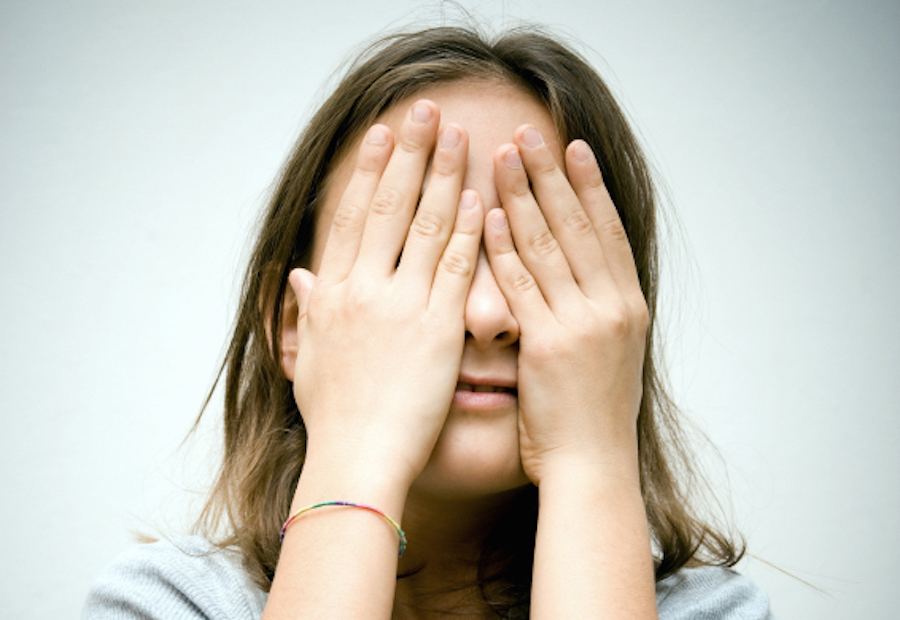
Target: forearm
x: 593, y: 556
x: 338, y: 562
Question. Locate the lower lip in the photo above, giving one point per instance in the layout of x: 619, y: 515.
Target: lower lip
x: 483, y: 400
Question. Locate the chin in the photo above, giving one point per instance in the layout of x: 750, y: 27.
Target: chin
x: 475, y: 456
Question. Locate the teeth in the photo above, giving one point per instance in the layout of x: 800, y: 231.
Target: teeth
x: 468, y: 387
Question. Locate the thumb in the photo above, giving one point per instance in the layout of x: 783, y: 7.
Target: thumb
x: 302, y: 282
x: 293, y: 321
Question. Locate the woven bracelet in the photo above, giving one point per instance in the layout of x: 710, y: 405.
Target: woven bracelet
x: 396, y: 525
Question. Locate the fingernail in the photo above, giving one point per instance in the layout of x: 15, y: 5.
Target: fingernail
x: 500, y: 220
x: 532, y: 138
x: 582, y: 151
x: 512, y: 158
x: 449, y: 137
x: 377, y: 136
x: 421, y: 113
x: 467, y: 200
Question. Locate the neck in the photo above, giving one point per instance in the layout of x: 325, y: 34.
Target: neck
x: 440, y: 567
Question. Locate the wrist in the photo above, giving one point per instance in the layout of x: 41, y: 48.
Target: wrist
x: 592, y: 510
x: 601, y: 468
x: 344, y: 476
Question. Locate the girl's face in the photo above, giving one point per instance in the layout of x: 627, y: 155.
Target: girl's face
x: 478, y: 450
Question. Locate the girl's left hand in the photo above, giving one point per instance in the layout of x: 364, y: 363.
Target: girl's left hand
x: 562, y: 259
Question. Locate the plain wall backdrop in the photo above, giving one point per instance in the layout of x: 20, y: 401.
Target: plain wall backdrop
x: 138, y: 141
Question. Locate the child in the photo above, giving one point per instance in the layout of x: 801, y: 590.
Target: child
x: 442, y: 396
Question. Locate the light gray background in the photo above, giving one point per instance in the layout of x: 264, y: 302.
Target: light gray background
x: 138, y: 141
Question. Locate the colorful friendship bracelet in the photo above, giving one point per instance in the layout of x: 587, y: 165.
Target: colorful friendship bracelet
x: 396, y: 525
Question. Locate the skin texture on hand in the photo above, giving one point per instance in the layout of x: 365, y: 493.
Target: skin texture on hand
x: 380, y: 343
x: 562, y: 259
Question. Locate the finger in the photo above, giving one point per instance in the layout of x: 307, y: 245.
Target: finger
x: 563, y: 212
x: 345, y: 234
x: 434, y: 219
x: 456, y: 268
x: 392, y: 207
x: 301, y: 282
x: 537, y: 247
x: 587, y: 181
x: 518, y: 285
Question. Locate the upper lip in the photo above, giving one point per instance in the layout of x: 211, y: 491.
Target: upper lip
x: 485, y: 380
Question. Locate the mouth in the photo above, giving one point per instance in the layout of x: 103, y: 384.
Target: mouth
x: 486, y: 395
x: 462, y: 386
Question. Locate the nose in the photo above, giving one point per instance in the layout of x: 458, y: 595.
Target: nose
x: 489, y: 322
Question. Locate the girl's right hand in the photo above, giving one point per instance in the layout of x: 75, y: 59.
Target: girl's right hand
x: 380, y: 342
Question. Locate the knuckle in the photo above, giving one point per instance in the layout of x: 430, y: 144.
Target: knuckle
x: 386, y: 201
x: 427, y: 225
x: 642, y: 315
x: 522, y: 281
x: 520, y: 188
x: 358, y: 298
x: 579, y: 222
x: 443, y: 165
x: 369, y: 165
x: 456, y: 264
x: 543, y: 243
x: 503, y: 248
x: 595, y: 179
x: 618, y: 321
x: 466, y: 229
x: 545, y: 166
x: 348, y: 216
x: 411, y: 142
x: 624, y: 320
x: 614, y: 230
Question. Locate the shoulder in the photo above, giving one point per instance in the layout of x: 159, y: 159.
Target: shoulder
x: 186, y: 578
x: 710, y: 592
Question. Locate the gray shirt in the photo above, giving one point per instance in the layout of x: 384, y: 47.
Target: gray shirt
x: 189, y: 579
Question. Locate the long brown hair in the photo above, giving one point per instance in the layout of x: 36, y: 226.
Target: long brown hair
x: 265, y: 440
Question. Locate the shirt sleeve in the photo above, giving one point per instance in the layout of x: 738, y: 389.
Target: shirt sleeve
x: 186, y: 579
x: 711, y: 593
